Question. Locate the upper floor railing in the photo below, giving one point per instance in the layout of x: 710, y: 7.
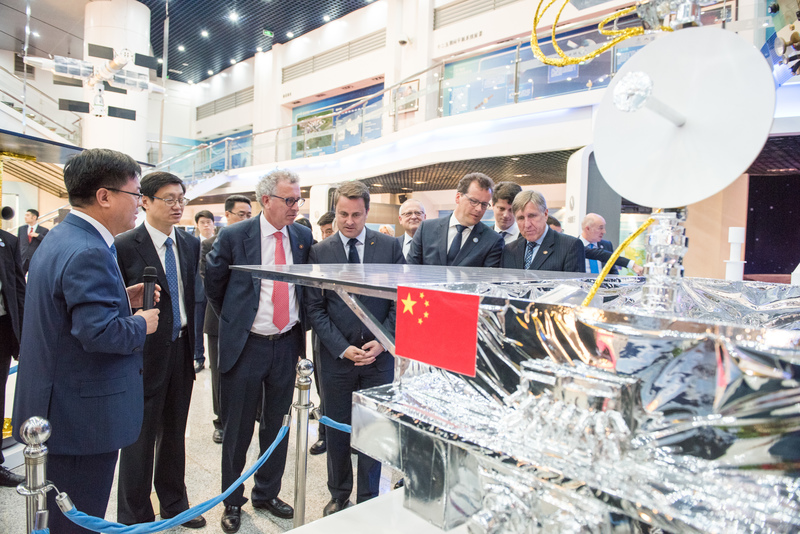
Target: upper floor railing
x: 41, y: 108
x: 493, y: 76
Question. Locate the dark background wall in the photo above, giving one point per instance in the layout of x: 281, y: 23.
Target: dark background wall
x: 773, y: 225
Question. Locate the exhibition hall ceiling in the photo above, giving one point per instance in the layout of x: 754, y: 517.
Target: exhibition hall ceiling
x: 205, y: 36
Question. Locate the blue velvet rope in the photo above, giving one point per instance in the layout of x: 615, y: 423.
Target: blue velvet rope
x: 101, y: 525
x: 44, y: 531
x: 327, y: 421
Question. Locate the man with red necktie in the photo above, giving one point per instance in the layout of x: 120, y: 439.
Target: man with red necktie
x: 261, y: 336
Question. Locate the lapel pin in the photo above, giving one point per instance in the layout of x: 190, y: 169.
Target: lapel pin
x: 301, y: 246
x: 372, y: 242
x: 474, y: 239
x: 544, y: 252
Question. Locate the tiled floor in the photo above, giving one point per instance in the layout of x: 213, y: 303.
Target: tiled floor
x: 203, y: 476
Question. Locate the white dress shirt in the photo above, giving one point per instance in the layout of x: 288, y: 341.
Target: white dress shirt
x: 359, y: 246
x: 263, y: 324
x: 452, y: 230
x: 512, y: 233
x: 159, y: 241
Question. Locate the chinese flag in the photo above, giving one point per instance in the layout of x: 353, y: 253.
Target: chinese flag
x: 438, y: 328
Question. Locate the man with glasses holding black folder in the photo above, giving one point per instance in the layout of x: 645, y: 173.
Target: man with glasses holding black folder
x: 261, y: 337
x: 461, y: 239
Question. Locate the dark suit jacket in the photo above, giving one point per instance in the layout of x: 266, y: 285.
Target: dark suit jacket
x: 483, y: 248
x: 27, y: 249
x: 80, y: 360
x: 558, y: 252
x: 13, y: 279
x: 135, y: 251
x: 211, y: 322
x: 335, y: 324
x: 603, y: 252
x: 234, y: 294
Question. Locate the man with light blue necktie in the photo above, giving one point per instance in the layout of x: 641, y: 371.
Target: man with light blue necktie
x: 598, y: 250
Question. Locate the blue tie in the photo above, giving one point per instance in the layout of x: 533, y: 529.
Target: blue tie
x: 455, y: 246
x: 594, y: 265
x: 174, y: 293
x: 352, y: 255
x: 113, y: 249
x: 529, y: 254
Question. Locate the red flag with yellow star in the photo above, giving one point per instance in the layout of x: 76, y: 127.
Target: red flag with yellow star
x: 438, y: 328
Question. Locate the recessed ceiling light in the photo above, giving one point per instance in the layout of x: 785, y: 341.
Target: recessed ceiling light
x: 210, y: 72
x: 326, y: 18
x: 233, y: 62
x: 259, y: 49
x: 406, y: 188
x: 289, y: 35
x: 160, y: 60
x: 378, y: 185
x: 419, y: 182
x: 204, y: 33
x: 521, y: 175
x: 514, y: 159
x: 234, y: 16
x: 181, y: 48
x: 185, y: 64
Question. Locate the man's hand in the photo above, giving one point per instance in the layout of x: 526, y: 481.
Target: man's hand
x: 136, y: 295
x: 34, y: 234
x: 358, y: 356
x: 638, y: 269
x: 151, y: 316
x: 373, y: 348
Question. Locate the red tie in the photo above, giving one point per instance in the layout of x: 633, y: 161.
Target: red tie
x: 280, y: 290
x: 30, y: 234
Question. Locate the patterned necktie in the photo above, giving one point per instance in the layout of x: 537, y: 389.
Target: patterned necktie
x: 30, y: 235
x: 171, y: 268
x: 352, y: 255
x: 280, y: 290
x: 594, y: 265
x: 455, y: 246
x: 529, y: 254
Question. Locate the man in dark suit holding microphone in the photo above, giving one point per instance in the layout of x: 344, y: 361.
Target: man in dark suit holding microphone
x: 351, y: 358
x: 80, y: 357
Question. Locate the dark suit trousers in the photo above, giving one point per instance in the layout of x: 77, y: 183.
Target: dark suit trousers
x: 87, y: 480
x: 199, y: 340
x: 163, y: 427
x: 7, y: 335
x: 338, y: 387
x: 213, y: 366
x: 263, y: 365
x: 318, y: 379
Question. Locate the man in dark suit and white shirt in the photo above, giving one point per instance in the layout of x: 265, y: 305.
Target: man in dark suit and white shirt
x: 261, y: 336
x: 461, y: 239
x: 80, y: 357
x: 351, y: 358
x: 593, y: 228
x: 505, y: 222
x: 30, y: 237
x: 541, y: 248
x: 237, y: 209
x: 168, y: 355
x: 12, y: 299
x: 412, y: 213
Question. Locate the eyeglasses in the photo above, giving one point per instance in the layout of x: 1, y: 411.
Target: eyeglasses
x: 476, y: 203
x: 291, y: 201
x: 172, y: 201
x: 412, y: 214
x: 242, y: 214
x: 137, y: 195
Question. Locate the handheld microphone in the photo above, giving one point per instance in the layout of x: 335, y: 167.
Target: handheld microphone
x: 149, y: 278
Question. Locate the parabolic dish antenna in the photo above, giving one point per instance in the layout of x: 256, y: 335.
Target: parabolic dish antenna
x: 684, y: 117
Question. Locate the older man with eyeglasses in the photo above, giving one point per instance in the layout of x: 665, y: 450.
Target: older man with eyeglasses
x: 261, y: 335
x: 460, y: 239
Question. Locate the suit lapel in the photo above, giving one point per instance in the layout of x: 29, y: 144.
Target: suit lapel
x: 444, y: 227
x: 147, y: 250
x: 519, y: 253
x: 183, y: 260
x: 472, y: 242
x: 369, y: 246
x: 545, y: 250
x: 252, y: 246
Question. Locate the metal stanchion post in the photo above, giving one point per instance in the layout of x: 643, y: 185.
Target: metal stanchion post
x: 34, y: 432
x: 304, y: 370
